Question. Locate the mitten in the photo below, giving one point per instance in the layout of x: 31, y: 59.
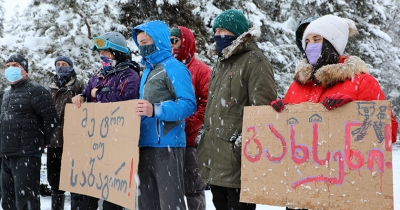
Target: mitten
x: 278, y: 105
x: 335, y: 100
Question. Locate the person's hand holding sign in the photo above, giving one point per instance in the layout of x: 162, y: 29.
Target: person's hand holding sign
x: 77, y: 100
x: 144, y: 108
x: 278, y: 105
x: 335, y: 100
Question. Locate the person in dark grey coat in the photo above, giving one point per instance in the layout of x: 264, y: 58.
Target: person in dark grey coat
x: 27, y: 120
x: 65, y: 86
x: 1, y: 101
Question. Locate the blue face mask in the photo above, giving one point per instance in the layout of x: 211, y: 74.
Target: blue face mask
x: 107, y: 63
x: 13, y: 74
x: 313, y: 50
x: 147, y: 50
x: 223, y: 41
x: 63, y: 71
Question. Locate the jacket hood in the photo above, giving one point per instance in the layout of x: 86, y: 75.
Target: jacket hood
x: 330, y: 74
x: 239, y: 43
x: 159, y: 32
x: 188, y: 46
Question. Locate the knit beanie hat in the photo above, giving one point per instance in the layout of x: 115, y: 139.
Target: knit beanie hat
x: 175, y: 32
x: 232, y: 20
x: 19, y: 59
x: 334, y: 29
x: 64, y: 58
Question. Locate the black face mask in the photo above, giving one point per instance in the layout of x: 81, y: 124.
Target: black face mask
x: 61, y: 81
x: 223, y: 41
x: 328, y: 55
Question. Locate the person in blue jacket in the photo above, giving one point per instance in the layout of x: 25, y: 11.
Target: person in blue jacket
x: 166, y: 98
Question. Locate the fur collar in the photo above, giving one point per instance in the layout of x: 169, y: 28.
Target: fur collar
x: 331, y: 74
x: 239, y: 43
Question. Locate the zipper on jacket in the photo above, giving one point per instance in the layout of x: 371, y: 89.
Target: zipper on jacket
x: 158, y: 130
x: 230, y: 88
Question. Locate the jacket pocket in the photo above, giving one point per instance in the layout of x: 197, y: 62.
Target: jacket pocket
x: 168, y: 126
x: 231, y: 129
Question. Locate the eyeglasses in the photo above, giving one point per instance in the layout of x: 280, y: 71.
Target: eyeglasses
x: 102, y: 44
x: 174, y: 40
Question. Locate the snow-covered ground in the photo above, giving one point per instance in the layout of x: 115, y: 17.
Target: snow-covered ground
x: 396, y: 188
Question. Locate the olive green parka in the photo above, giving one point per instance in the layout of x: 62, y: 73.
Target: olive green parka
x: 242, y: 77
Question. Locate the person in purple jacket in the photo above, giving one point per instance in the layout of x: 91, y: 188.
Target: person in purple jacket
x: 117, y: 80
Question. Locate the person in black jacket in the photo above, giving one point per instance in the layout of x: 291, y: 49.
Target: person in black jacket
x: 28, y: 118
x: 1, y: 101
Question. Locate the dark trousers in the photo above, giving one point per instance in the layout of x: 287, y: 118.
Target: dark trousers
x: 160, y: 173
x: 0, y: 177
x: 54, y: 155
x: 20, y: 181
x: 85, y: 202
x: 194, y: 186
x: 225, y: 198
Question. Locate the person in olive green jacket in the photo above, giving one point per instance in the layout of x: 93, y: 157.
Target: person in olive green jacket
x: 242, y: 77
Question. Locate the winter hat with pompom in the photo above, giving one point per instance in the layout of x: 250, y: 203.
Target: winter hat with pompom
x: 334, y: 29
x: 232, y: 20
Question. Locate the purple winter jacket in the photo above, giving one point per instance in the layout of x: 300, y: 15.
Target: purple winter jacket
x: 119, y: 84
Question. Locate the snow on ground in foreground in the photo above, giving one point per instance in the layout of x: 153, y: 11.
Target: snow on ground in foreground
x: 46, y: 201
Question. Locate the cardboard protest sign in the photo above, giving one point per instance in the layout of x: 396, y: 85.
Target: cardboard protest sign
x: 309, y: 157
x: 101, y: 154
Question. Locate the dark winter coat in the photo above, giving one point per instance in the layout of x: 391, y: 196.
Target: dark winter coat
x: 167, y: 85
x: 119, y: 84
x: 28, y: 118
x: 350, y: 76
x: 1, y: 98
x: 200, y: 73
x: 61, y: 96
x: 243, y: 77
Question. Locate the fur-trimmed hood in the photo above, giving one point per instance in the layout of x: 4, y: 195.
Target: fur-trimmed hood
x: 330, y: 74
x: 252, y: 34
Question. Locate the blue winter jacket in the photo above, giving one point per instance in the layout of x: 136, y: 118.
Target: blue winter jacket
x: 167, y: 84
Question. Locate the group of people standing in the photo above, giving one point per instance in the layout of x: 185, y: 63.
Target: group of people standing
x: 177, y: 94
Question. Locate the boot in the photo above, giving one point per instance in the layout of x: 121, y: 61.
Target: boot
x: 57, y: 201
x: 44, y: 190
